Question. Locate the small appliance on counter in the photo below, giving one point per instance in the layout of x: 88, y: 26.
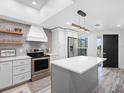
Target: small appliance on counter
x: 40, y: 63
x: 46, y: 51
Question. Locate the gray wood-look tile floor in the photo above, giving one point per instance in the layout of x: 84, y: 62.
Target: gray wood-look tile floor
x: 111, y: 80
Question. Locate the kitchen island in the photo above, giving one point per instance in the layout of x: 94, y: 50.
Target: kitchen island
x: 75, y: 75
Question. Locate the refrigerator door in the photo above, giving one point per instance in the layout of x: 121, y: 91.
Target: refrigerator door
x: 72, y: 47
x: 75, y: 45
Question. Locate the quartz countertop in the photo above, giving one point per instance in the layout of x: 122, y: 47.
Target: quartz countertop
x: 79, y: 64
x: 52, y: 54
x: 14, y: 58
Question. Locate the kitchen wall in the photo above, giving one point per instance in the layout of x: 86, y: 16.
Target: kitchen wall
x: 92, y: 48
x: 21, y: 49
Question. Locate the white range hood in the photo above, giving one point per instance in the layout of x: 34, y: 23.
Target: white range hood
x: 37, y: 33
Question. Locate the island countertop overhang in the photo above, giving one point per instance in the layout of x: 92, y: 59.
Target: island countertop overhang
x: 79, y: 64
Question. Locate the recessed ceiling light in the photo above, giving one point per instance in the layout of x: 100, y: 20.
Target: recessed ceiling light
x: 34, y: 3
x: 118, y: 25
x: 68, y: 23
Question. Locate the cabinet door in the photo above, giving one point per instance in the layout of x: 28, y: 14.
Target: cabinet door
x: 70, y: 33
x: 62, y: 44
x: 5, y: 74
x: 75, y: 34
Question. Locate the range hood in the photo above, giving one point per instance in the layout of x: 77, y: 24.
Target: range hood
x: 36, y: 33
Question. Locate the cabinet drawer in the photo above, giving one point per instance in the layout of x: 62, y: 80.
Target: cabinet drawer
x: 21, y: 62
x: 21, y: 69
x: 53, y: 58
x: 21, y: 78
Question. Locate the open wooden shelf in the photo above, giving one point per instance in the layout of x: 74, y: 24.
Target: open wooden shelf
x: 12, y: 43
x: 11, y: 32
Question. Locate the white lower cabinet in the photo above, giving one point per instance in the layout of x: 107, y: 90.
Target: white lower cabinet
x: 21, y: 71
x: 53, y: 57
x: 21, y: 78
x: 5, y: 74
x: 14, y: 72
x: 21, y: 62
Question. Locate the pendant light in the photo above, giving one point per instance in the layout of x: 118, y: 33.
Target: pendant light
x: 78, y: 26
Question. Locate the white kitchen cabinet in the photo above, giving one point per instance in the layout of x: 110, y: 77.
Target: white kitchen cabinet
x: 21, y: 62
x: 53, y: 57
x: 59, y: 43
x: 75, y: 34
x: 21, y: 70
x: 5, y: 74
x: 71, y: 33
x: 14, y: 70
x: 21, y: 78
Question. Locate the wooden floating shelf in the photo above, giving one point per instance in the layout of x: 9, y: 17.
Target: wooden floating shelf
x: 11, y: 32
x: 13, y: 43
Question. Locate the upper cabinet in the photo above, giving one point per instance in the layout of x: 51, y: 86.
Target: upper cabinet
x: 73, y: 34
x: 59, y: 43
x: 37, y: 33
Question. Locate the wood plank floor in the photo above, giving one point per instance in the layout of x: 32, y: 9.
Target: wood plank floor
x: 111, y: 80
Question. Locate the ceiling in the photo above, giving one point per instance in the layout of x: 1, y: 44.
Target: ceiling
x: 38, y: 6
x: 107, y: 13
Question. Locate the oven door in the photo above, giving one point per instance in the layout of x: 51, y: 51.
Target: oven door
x: 40, y: 65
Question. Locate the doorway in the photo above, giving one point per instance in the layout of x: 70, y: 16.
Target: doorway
x: 110, y: 50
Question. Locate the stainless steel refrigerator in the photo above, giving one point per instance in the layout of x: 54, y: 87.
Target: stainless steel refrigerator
x: 72, y: 47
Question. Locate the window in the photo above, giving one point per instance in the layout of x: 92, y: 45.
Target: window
x: 82, y: 46
x: 99, y: 46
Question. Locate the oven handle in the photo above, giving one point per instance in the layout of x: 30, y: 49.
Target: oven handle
x: 40, y: 58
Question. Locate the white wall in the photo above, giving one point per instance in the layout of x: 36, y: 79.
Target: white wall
x: 92, y: 47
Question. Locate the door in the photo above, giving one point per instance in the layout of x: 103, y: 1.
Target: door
x: 110, y: 50
x: 5, y: 74
x: 72, y: 47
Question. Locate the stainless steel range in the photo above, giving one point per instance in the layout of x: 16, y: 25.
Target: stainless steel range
x: 40, y: 63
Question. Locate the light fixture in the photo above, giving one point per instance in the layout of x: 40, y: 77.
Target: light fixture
x: 118, y: 25
x: 78, y: 26
x: 68, y: 23
x: 34, y: 3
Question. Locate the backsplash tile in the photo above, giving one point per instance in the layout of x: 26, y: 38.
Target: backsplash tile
x: 21, y: 49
